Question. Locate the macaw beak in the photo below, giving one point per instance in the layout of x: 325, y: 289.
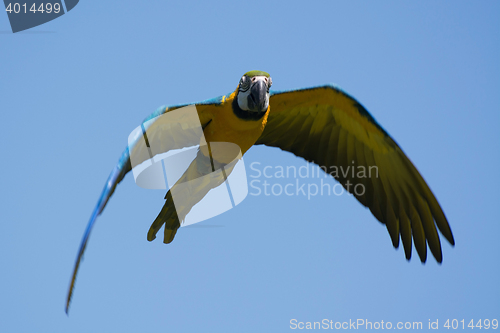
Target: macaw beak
x: 257, y: 99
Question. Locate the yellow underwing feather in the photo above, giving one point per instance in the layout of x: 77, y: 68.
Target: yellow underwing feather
x: 378, y: 192
x: 418, y: 234
x: 430, y: 229
x: 366, y: 197
x: 302, y: 134
x: 332, y: 151
x: 405, y: 228
x: 392, y: 200
x: 323, y: 145
x: 315, y: 135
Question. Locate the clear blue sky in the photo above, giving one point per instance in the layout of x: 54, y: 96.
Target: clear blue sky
x: 73, y: 89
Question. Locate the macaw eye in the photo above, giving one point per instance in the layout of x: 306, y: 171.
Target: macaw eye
x: 244, y: 84
x: 269, y: 83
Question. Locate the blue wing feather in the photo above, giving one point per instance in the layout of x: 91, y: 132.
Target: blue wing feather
x: 116, y: 176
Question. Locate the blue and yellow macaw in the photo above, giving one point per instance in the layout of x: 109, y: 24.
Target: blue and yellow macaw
x: 321, y: 124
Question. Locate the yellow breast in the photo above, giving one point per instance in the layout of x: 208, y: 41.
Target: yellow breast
x: 225, y: 126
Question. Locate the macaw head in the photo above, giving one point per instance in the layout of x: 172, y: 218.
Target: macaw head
x: 253, y: 92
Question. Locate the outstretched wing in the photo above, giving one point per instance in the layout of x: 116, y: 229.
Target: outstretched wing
x: 124, y: 166
x: 326, y: 126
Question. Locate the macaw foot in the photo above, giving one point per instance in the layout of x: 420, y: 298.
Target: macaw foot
x: 169, y: 235
x: 168, y: 216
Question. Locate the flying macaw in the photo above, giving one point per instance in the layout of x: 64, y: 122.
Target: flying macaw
x: 321, y: 124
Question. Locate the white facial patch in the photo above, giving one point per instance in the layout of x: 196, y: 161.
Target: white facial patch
x: 243, y: 96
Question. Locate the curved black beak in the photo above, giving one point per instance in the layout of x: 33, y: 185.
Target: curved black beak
x: 257, y: 99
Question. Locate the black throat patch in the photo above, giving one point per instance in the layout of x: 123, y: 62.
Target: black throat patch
x: 245, y: 115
